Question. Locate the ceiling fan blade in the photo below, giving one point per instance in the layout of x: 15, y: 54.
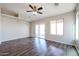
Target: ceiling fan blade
x: 40, y: 8
x: 28, y: 11
x: 31, y: 6
x: 40, y: 12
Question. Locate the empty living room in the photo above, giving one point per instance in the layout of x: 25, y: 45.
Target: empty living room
x: 39, y: 29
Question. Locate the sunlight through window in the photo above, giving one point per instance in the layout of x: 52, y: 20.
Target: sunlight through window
x: 53, y: 27
x: 60, y: 27
x: 56, y: 27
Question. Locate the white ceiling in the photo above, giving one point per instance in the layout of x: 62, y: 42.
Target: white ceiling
x: 49, y: 9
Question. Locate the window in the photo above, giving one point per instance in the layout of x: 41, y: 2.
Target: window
x: 60, y: 27
x: 53, y: 27
x: 56, y: 27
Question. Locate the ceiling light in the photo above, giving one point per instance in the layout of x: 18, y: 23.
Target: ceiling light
x: 35, y: 13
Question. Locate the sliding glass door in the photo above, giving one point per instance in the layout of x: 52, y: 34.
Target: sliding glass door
x: 40, y: 30
x: 37, y: 34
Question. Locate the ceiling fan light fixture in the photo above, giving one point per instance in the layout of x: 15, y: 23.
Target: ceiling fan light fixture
x: 35, y: 10
x: 34, y: 13
x: 56, y: 4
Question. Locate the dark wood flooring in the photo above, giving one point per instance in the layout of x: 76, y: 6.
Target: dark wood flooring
x: 34, y: 47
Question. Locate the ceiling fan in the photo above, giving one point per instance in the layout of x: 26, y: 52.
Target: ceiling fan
x: 35, y: 10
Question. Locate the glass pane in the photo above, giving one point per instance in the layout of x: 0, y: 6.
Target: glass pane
x: 37, y: 30
x: 53, y: 27
x: 42, y: 30
x: 59, y: 27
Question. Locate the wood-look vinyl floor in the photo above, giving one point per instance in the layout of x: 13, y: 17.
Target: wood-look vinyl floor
x: 35, y: 47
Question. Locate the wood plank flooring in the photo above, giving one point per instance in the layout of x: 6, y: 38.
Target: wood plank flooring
x: 35, y: 47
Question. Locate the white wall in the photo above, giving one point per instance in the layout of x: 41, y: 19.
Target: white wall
x: 68, y: 36
x: 13, y: 28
